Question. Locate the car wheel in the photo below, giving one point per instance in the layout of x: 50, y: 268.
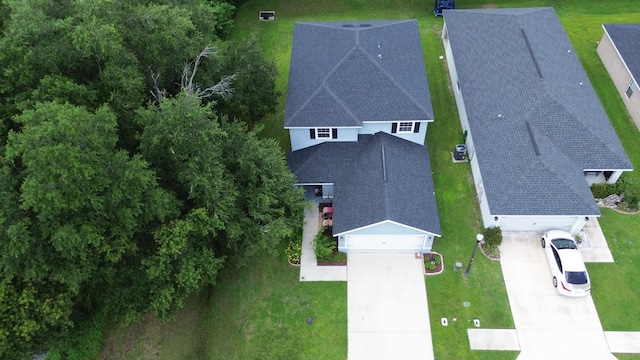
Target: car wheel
x: 543, y: 243
x: 555, y: 282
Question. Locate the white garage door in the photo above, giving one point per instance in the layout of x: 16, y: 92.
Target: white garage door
x: 384, y: 243
x: 543, y: 223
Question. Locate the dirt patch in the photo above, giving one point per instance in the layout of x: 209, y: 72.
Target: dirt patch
x: 490, y: 6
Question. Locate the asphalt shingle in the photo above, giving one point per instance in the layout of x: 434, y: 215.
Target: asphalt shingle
x: 517, y: 67
x: 626, y: 38
x: 368, y: 192
x: 347, y: 73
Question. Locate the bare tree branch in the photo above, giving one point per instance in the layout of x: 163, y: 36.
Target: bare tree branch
x: 222, y: 88
x: 155, y: 89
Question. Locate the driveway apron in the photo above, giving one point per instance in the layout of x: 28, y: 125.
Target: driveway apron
x: 388, y: 315
x: 549, y: 325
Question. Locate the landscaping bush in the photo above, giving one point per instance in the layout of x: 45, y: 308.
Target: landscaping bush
x: 492, y: 237
x: 602, y: 190
x: 294, y: 251
x: 327, y: 248
x: 632, y: 196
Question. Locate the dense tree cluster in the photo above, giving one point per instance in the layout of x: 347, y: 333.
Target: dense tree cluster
x: 123, y: 190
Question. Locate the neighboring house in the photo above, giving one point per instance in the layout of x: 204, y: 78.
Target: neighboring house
x: 536, y: 133
x: 619, y: 50
x: 358, y: 105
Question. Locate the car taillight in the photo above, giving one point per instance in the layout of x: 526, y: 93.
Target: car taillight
x: 564, y: 287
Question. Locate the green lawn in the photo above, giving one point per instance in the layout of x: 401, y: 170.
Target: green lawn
x: 259, y: 312
x: 255, y: 312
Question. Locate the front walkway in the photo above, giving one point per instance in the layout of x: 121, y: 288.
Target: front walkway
x: 387, y: 308
x: 309, y: 269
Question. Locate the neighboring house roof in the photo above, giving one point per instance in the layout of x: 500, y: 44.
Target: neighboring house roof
x: 626, y: 39
x: 345, y: 73
x: 534, y: 117
x: 381, y: 177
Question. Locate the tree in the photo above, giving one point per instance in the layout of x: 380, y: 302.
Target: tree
x: 109, y: 48
x: 254, y: 85
x: 74, y: 206
x: 267, y: 209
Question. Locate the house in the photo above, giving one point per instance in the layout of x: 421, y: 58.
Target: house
x: 619, y: 50
x: 536, y: 133
x: 358, y: 107
x: 347, y: 79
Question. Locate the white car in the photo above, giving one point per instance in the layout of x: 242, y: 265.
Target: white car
x: 570, y: 276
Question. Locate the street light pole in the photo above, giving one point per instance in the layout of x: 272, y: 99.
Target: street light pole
x: 479, y: 239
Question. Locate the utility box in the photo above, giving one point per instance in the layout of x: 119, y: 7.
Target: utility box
x: 460, y: 153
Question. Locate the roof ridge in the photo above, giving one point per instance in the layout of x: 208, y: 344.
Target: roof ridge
x: 578, y: 121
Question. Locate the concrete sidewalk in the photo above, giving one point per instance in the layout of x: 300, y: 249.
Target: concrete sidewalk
x: 309, y: 269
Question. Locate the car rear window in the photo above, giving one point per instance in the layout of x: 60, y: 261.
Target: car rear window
x: 564, y: 244
x: 576, y: 277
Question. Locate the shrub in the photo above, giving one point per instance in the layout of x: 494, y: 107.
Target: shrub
x: 632, y: 195
x: 325, y: 246
x: 492, y: 237
x: 294, y: 251
x: 602, y: 190
x: 428, y: 264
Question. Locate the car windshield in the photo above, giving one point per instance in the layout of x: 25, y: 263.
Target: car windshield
x: 576, y: 277
x: 564, y: 244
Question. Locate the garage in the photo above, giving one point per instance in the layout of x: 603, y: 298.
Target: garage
x: 385, y: 243
x: 541, y: 223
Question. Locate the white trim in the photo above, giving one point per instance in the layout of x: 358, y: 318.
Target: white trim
x: 394, y: 121
x: 316, y: 127
x: 312, y: 184
x: 410, y: 124
x: 386, y: 222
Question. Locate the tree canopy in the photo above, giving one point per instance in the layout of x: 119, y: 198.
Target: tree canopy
x: 117, y: 200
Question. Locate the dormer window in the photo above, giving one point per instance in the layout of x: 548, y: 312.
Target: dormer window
x: 405, y: 127
x: 323, y: 133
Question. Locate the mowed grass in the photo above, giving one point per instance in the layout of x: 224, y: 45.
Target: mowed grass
x: 254, y: 312
x: 260, y: 311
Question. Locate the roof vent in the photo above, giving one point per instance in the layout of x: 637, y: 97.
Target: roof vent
x: 533, y: 139
x: 365, y: 25
x: 533, y: 55
x: 347, y: 25
x: 384, y: 165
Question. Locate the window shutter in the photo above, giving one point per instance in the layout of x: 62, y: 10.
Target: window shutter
x: 312, y: 133
x: 334, y: 133
x: 394, y: 128
x: 416, y: 127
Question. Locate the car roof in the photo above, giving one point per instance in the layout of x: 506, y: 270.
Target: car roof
x: 571, y: 260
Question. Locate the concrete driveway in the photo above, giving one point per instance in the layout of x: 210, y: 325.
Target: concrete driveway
x: 388, y: 315
x: 548, y: 325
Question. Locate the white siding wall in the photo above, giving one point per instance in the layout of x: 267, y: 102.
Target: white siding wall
x: 301, y: 139
x: 375, y: 127
x: 539, y: 223
x: 620, y: 76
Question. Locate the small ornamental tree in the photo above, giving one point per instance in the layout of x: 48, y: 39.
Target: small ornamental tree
x: 492, y: 237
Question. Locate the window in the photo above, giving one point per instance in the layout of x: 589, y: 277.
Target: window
x: 323, y: 133
x: 405, y: 127
x: 632, y: 86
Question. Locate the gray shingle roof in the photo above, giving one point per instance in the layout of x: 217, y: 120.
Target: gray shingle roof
x: 345, y: 73
x: 626, y: 38
x: 517, y: 67
x: 362, y: 196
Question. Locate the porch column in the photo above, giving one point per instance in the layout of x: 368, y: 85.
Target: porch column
x: 614, y: 177
x: 578, y: 225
